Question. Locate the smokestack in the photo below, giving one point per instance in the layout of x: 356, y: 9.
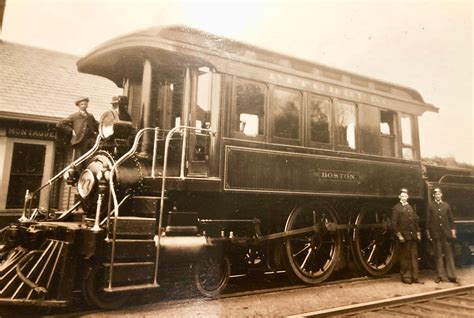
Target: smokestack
x: 2, y: 11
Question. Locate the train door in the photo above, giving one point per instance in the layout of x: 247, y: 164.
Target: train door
x: 200, y: 118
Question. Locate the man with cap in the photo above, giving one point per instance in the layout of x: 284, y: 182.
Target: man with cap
x: 119, y: 105
x: 83, y: 127
x: 440, y: 230
x: 405, y: 225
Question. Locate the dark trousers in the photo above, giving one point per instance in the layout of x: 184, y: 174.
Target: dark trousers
x: 444, y: 265
x: 82, y: 147
x: 409, y: 261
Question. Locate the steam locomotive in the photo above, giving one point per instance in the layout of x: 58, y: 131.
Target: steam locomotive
x: 237, y: 160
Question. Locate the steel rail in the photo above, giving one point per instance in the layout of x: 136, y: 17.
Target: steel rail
x: 379, y: 304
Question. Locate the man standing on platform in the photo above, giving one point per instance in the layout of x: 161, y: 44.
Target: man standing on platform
x: 440, y: 230
x: 405, y: 225
x: 83, y: 127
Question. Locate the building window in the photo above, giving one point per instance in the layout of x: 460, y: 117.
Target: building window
x: 345, y: 114
x: 319, y: 118
x: 249, y: 108
x: 286, y: 109
x: 26, y: 173
x: 407, y: 137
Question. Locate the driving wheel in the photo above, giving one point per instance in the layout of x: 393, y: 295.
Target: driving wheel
x: 372, y: 243
x: 311, y: 256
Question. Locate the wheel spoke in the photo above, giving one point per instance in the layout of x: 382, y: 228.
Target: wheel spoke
x: 304, y: 249
x: 306, y: 258
x: 372, y: 253
x: 373, y: 247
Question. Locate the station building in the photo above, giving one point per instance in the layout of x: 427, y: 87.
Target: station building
x: 38, y: 88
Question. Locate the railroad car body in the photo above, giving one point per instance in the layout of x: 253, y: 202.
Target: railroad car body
x: 237, y: 160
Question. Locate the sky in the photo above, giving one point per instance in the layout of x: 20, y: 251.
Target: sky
x: 426, y: 45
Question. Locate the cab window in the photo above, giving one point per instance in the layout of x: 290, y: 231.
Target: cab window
x: 345, y: 116
x: 319, y: 119
x: 406, y: 123
x: 387, y: 133
x: 286, y: 114
x: 249, y: 105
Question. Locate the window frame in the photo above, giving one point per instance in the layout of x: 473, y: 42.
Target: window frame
x: 338, y: 146
x: 393, y: 136
x: 234, y: 131
x: 316, y: 144
x: 403, y: 145
x: 48, y: 168
x: 271, y: 117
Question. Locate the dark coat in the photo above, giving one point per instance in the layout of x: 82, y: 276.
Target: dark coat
x: 439, y: 220
x: 405, y: 221
x: 84, y: 127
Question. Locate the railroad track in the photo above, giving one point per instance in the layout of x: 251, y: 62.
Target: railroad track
x: 281, y: 282
x: 452, y: 302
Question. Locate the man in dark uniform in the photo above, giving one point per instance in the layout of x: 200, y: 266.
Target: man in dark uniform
x: 83, y: 127
x: 440, y: 230
x: 405, y: 225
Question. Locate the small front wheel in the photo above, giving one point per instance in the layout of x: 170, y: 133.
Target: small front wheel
x: 211, y: 274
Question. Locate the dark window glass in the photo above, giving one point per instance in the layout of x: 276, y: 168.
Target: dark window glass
x: 250, y: 107
x: 319, y: 110
x: 286, y: 108
x: 346, y: 124
x: 26, y: 173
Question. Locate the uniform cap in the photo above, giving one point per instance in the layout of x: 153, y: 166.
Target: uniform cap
x: 437, y: 190
x: 80, y: 99
x: 404, y: 190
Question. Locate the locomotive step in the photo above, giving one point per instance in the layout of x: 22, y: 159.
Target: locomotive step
x: 141, y: 205
x: 128, y: 249
x: 131, y: 287
x: 133, y: 226
x: 126, y: 273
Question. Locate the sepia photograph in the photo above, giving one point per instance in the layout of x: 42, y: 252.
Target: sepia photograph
x: 236, y: 158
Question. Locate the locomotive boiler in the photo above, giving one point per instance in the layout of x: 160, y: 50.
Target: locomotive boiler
x: 237, y: 160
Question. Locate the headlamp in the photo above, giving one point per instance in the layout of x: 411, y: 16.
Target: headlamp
x: 86, y: 183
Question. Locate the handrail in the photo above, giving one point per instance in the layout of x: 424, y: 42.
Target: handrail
x: 127, y: 155
x: 446, y: 176
x: 120, y: 203
x: 76, y: 162
x: 163, y: 182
